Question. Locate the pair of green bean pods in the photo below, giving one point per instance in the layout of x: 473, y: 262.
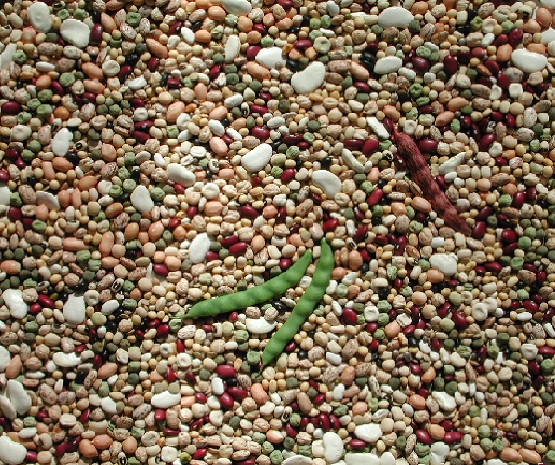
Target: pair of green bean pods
x: 254, y: 295
x: 304, y: 307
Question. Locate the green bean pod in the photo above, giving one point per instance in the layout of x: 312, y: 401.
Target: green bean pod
x: 254, y: 295
x: 304, y: 307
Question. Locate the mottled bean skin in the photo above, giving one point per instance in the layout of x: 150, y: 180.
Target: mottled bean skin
x: 254, y: 295
x: 304, y: 307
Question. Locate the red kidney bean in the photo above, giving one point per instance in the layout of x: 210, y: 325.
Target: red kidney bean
x: 163, y: 330
x: 486, y: 141
x: 452, y: 437
x: 374, y: 197
x: 141, y: 137
x: 226, y: 401
x: 261, y: 109
x: 288, y: 175
x: 210, y: 255
x: 292, y: 139
x: 357, y: 444
x: 96, y: 33
x: 159, y: 414
x: 228, y: 241
x: 349, y: 316
x: 427, y: 145
x: 515, y: 36
x: 303, y: 44
x: 492, y: 66
x: 247, y: 211
x: 14, y: 214
x: 508, y: 236
x: 290, y: 431
x: 260, y: 132
x: 330, y: 224
x: 10, y: 108
x: 214, y: 72
x: 60, y: 449
x: 546, y: 351
x: 420, y: 64
x: 484, y: 212
x: 450, y: 65
x: 284, y: 263
x: 370, y: 145
x: 171, y: 432
x: 493, y: 267
x: 479, y: 230
x: 518, y: 199
x: 238, y: 249
x: 503, y: 81
x: 237, y: 393
x: 360, y: 233
x: 319, y: 399
x: 225, y: 371
x: 200, y: 453
x: 423, y: 436
x: 11, y: 154
x: 353, y: 144
x: 374, y: 345
x: 153, y: 64
x: 401, y: 245
x: 170, y: 375
x: 324, y: 421
x: 460, y: 320
x: 160, y: 269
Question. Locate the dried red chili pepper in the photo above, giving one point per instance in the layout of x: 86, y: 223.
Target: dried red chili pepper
x: 418, y: 168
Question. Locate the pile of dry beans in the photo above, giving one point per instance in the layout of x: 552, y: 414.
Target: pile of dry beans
x: 158, y: 153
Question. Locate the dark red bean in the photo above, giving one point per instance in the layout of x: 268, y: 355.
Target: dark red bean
x: 354, y: 144
x: 303, y: 44
x: 427, y: 145
x: 479, y: 230
x: 292, y: 139
x: 159, y: 414
x: 10, y: 108
x: 450, y: 65
x: 484, y: 213
x: 229, y: 241
x: 261, y: 109
x: 452, y: 437
x: 226, y: 401
x: 225, y: 371
x: 260, y: 132
x: 163, y: 330
x: 170, y: 375
x: 247, y: 211
x: 370, y: 145
x: 503, y: 81
x: 486, y: 141
x: 201, y: 452
x: 515, y: 37
x: 153, y: 64
x: 349, y: 316
x: 290, y: 431
x: 96, y: 33
x: 45, y: 301
x: 160, y: 269
x: 420, y: 64
x: 239, y: 248
x: 460, y: 320
x: 237, y: 393
x: 14, y: 214
x: 319, y: 399
x: 330, y: 224
x: 288, y: 175
x: 518, y: 199
x: 141, y: 137
x: 546, y: 351
x: 357, y: 444
x: 508, y: 236
x: 492, y: 66
x: 214, y: 72
x: 324, y: 421
x: 423, y: 436
x: 374, y: 197
x: 284, y: 263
